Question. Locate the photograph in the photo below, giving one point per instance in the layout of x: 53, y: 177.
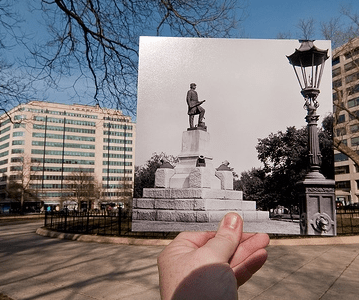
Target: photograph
x: 234, y: 125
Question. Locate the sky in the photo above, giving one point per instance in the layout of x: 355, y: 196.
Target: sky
x: 249, y: 86
x: 265, y: 19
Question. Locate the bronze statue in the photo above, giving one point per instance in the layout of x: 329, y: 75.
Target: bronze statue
x: 194, y: 107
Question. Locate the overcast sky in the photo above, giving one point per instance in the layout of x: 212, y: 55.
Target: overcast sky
x: 248, y: 84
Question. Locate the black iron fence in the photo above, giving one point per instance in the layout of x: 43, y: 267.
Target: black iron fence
x: 119, y: 223
x: 114, y: 223
x: 348, y: 220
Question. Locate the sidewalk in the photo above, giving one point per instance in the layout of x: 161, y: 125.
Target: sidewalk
x: 306, y: 268
x: 38, y: 267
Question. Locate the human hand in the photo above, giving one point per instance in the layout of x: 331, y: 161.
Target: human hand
x: 211, y: 265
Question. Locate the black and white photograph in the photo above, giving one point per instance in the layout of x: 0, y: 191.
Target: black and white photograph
x: 238, y: 125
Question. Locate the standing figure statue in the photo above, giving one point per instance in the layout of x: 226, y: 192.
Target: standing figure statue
x: 194, y: 107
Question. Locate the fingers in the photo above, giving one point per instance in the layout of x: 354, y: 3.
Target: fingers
x: 248, y: 246
x: 249, y: 266
x: 227, y: 238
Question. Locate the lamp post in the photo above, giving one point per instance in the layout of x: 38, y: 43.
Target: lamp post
x: 316, y: 193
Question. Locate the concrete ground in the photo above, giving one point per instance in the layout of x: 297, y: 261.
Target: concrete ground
x: 40, y: 267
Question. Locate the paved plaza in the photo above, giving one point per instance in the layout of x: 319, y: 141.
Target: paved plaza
x: 40, y: 267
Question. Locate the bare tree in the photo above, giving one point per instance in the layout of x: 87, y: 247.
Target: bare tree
x: 307, y: 28
x: 15, y: 85
x: 82, y: 188
x: 19, y: 185
x: 97, y: 41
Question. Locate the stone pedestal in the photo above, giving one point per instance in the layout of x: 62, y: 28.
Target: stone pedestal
x: 193, y: 193
x: 317, y: 206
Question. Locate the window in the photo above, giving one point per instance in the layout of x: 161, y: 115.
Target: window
x: 337, y: 83
x: 16, y: 168
x: 20, y: 117
x: 66, y: 145
x: 18, y: 142
x: 336, y: 72
x: 60, y: 137
x: 17, y: 151
x: 335, y: 61
x: 342, y: 131
x: 5, y: 137
x: 4, y: 130
x: 341, y: 170
x: 342, y: 184
x: 341, y: 119
x: 355, y: 141
x: 4, y: 146
x: 353, y: 102
x: 117, y: 141
x: 18, y: 133
x: 65, y: 153
x: 340, y: 157
x: 17, y: 159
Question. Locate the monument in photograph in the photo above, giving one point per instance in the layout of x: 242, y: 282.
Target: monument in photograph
x: 193, y: 195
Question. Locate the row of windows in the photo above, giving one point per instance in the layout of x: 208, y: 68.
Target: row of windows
x: 4, y: 130
x: 118, y: 126
x: 66, y: 121
x: 18, y: 142
x: 4, y: 146
x: 14, y: 151
x: 18, y: 133
x: 116, y: 194
x: 3, y: 162
x: 116, y: 171
x: 117, y: 141
x: 114, y: 148
x: 5, y: 137
x: 59, y: 177
x: 15, y: 168
x: 4, y: 153
x: 66, y: 145
x: 20, y: 117
x: 62, y: 128
x: 117, y: 186
x: 56, y: 112
x: 351, y: 65
x: 60, y: 161
x: 116, y: 178
x: 117, y: 133
x: 7, y: 121
x: 3, y: 170
x: 60, y: 169
x: 53, y: 186
x: 116, y: 163
x: 65, y: 153
x: 114, y: 155
x: 341, y: 170
x: 17, y: 159
x: 55, y: 194
x: 61, y: 137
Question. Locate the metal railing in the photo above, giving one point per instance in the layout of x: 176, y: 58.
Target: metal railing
x: 348, y: 220
x: 114, y: 223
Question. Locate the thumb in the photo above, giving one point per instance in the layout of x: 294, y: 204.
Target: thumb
x: 227, y: 238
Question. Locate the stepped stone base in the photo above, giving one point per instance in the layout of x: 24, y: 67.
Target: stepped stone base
x: 176, y: 207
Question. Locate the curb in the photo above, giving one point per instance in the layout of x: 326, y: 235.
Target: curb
x: 344, y: 240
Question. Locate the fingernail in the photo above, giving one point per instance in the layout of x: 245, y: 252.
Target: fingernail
x: 231, y: 221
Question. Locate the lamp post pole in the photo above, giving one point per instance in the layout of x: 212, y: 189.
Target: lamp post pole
x: 315, y: 192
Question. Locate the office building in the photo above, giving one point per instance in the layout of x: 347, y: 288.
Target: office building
x: 345, y: 70
x: 45, y: 146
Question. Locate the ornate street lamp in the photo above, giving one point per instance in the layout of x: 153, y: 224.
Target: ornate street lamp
x: 316, y: 193
x: 308, y: 63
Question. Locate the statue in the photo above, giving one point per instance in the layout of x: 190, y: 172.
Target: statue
x: 195, y: 108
